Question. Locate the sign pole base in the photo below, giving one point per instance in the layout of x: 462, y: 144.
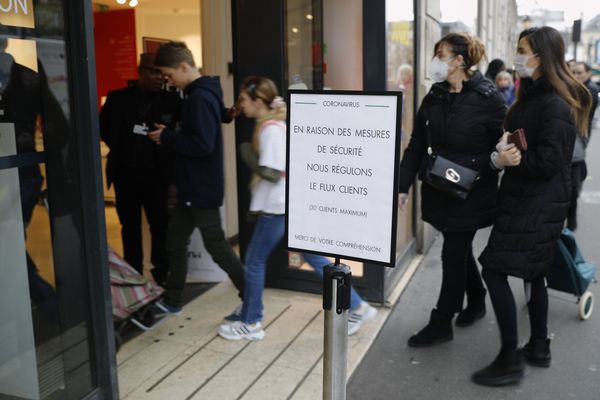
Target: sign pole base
x: 336, y: 303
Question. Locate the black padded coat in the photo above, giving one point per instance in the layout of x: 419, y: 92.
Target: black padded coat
x: 534, y: 196
x: 464, y: 128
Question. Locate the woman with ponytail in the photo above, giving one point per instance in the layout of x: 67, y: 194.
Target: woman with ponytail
x: 265, y: 156
x: 533, y: 199
x: 462, y: 114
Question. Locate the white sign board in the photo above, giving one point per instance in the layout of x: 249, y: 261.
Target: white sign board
x: 343, y: 154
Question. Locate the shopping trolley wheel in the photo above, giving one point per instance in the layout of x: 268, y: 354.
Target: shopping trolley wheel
x: 586, y: 305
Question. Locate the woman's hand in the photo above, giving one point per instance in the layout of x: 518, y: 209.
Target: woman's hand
x: 503, y: 142
x: 509, y: 157
x: 402, y: 200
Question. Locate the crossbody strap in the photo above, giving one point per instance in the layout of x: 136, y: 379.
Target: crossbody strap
x: 429, y: 148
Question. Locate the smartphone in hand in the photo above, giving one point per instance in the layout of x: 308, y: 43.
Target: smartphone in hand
x: 518, y: 139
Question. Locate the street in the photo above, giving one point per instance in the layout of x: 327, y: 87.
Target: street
x: 392, y: 370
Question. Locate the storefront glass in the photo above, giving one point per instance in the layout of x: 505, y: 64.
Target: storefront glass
x: 400, y: 73
x: 459, y: 19
x: 45, y: 349
x: 304, y: 44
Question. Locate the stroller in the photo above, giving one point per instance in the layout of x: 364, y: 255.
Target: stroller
x: 570, y: 273
x: 133, y: 296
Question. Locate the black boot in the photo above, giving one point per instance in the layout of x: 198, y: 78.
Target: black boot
x: 537, y: 352
x: 438, y: 330
x: 506, y: 369
x: 475, y: 310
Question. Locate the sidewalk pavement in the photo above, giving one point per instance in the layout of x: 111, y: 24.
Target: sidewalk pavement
x: 392, y: 370
x: 183, y: 358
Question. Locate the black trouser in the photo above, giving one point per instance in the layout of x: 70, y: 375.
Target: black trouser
x: 181, y: 226
x: 578, y: 175
x: 40, y: 291
x: 505, y: 308
x: 459, y: 273
x: 134, y: 189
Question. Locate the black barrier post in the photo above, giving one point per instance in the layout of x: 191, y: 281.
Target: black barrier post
x: 337, y: 281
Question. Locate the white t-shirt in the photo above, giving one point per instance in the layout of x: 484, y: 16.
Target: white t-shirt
x: 269, y: 197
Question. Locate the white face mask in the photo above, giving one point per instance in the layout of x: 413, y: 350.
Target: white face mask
x: 520, y: 66
x: 438, y: 69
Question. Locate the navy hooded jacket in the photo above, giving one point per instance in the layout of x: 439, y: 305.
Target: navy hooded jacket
x: 198, y: 145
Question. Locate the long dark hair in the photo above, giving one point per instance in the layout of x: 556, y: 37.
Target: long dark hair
x: 548, y: 45
x: 495, y: 66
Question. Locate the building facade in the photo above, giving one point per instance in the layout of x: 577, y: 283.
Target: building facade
x: 56, y: 328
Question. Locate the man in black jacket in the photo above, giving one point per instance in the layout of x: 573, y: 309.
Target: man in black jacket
x: 139, y: 169
x: 583, y: 73
x: 199, y: 175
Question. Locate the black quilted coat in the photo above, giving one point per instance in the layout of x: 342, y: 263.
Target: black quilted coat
x: 464, y: 129
x: 534, y: 196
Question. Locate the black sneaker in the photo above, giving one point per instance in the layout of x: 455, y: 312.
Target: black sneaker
x: 438, y: 330
x: 506, y: 369
x: 161, y: 309
x: 236, y: 314
x: 469, y: 315
x: 537, y: 352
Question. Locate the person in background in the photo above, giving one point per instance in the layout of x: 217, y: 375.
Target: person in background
x: 582, y: 72
x: 495, y: 66
x: 139, y: 169
x: 197, y: 145
x: 533, y: 199
x: 463, y: 114
x: 266, y: 157
x: 27, y: 103
x: 504, y: 83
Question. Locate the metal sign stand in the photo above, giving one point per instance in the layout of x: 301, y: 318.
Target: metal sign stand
x: 336, y: 303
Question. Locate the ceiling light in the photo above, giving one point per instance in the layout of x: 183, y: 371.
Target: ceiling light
x: 309, y: 17
x: 295, y: 30
x: 121, y: 1
x: 133, y: 3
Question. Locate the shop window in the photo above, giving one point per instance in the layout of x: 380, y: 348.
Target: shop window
x: 459, y: 19
x: 304, y: 44
x: 400, y: 72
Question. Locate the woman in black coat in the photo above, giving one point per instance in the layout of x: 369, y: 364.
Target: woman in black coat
x: 463, y: 113
x: 533, y: 198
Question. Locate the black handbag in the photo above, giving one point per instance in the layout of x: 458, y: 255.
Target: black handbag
x: 447, y: 176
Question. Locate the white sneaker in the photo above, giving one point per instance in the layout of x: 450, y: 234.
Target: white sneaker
x: 238, y: 330
x: 359, y: 316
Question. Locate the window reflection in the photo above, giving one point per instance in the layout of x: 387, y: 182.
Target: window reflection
x: 304, y: 47
x: 459, y: 19
x: 400, y: 73
x: 40, y: 210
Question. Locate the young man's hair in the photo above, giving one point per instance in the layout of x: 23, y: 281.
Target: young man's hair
x: 172, y: 54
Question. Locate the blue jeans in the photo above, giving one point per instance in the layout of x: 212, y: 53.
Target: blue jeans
x: 318, y: 263
x: 268, y: 232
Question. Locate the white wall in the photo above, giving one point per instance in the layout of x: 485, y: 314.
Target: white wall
x: 167, y: 23
x: 343, y: 36
x: 218, y: 52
